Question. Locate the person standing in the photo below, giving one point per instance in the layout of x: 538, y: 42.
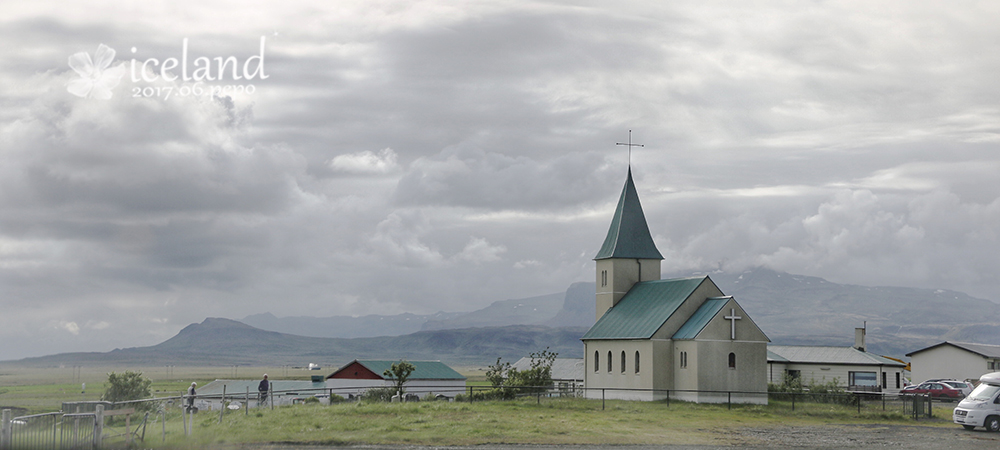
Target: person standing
x: 190, y: 396
x: 262, y: 389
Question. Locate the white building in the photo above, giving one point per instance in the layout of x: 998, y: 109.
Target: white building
x: 954, y: 360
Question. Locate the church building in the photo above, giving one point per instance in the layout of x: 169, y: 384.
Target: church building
x: 679, y: 337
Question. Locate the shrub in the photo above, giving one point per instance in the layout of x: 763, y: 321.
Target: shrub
x: 511, y: 381
x: 382, y: 394
x: 127, y: 386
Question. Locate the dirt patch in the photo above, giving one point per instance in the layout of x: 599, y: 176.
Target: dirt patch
x: 866, y: 436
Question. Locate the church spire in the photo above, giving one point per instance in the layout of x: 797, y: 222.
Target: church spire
x: 629, y: 235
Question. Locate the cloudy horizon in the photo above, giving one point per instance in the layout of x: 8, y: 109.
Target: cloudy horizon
x: 418, y: 157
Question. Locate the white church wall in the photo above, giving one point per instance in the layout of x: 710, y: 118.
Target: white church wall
x: 619, y: 384
x: 749, y: 375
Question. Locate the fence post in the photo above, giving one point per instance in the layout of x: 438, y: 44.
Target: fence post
x: 270, y: 396
x: 5, y: 431
x: 793, y: 401
x: 729, y: 401
x: 246, y: 403
x: 668, y: 398
x: 930, y: 404
x: 55, y: 425
x: 222, y: 408
x: 602, y: 399
x: 98, y: 426
x: 163, y: 421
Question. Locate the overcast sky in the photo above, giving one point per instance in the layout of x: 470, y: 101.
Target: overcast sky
x: 397, y: 156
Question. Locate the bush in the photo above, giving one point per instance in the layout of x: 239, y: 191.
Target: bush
x: 511, y: 381
x: 127, y: 386
x: 334, y: 398
x: 382, y: 394
x: 310, y: 400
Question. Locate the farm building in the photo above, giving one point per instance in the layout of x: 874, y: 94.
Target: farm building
x: 681, y: 337
x: 850, y: 367
x: 428, y: 377
x: 954, y: 360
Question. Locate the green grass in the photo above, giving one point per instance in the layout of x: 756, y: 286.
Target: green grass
x: 554, y: 421
x: 44, y: 390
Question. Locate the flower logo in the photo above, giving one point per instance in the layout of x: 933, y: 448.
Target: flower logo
x: 96, y: 78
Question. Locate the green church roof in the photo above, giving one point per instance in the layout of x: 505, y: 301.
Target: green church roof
x: 699, y: 320
x: 629, y: 235
x: 644, y: 309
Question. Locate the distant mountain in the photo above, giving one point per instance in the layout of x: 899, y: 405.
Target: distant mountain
x: 346, y: 326
x: 802, y: 310
x: 525, y: 311
x: 578, y: 308
x: 790, y: 309
x: 227, y: 342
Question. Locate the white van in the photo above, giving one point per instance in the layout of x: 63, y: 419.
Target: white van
x: 982, y: 407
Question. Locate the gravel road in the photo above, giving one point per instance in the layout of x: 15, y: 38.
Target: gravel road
x: 815, y: 437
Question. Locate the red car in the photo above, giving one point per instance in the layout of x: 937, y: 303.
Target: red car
x: 938, y: 391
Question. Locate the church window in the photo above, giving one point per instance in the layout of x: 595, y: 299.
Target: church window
x: 623, y: 361
x: 604, y: 278
x: 732, y: 360
x: 609, y: 361
x: 597, y: 361
x: 637, y: 361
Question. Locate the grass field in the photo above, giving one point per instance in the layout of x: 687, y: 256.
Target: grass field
x: 525, y: 421
x: 44, y: 390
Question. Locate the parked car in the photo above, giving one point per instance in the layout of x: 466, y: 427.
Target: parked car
x: 939, y: 391
x: 966, y: 388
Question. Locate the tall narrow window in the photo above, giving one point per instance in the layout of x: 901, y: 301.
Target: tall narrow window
x: 604, y: 278
x: 897, y: 380
x: 636, y: 361
x: 732, y: 360
x: 684, y: 360
x: 597, y: 361
x: 623, y: 361
x: 609, y: 361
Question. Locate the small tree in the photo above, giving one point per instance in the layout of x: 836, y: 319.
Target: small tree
x: 539, y: 376
x: 498, y: 373
x: 127, y: 386
x: 399, y: 373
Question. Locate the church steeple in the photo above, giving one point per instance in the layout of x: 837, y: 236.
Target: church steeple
x: 629, y: 235
x: 628, y: 255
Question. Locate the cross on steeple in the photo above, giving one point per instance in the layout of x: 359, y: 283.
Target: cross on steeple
x: 629, y: 145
